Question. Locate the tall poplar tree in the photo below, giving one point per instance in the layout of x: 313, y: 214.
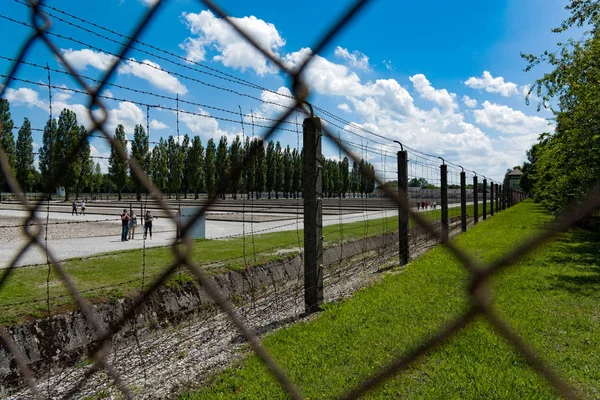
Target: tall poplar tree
x: 222, y: 162
x: 47, y: 155
x: 139, y: 152
x: 24, y: 157
x: 7, y: 140
x: 209, y: 167
x: 271, y: 172
x: 236, y: 154
x: 117, y: 167
x: 195, y: 167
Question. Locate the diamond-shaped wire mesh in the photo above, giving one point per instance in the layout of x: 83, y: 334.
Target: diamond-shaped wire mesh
x: 480, y: 274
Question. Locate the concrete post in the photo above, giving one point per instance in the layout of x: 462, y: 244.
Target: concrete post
x: 484, y: 199
x: 475, y: 201
x: 312, y: 180
x: 492, y: 199
x: 403, y: 214
x: 444, y: 200
x: 463, y: 201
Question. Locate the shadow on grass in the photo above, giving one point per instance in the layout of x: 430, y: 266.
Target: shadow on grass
x: 577, y: 252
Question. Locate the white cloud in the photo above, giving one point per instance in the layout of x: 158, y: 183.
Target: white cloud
x: 80, y: 59
x: 388, y: 64
x: 149, y: 3
x: 233, y: 50
x: 356, y: 59
x: 202, y: 124
x: 440, y: 97
x: 24, y: 96
x: 146, y: 69
x: 469, y: 102
x: 493, y: 85
x: 326, y: 77
x: 344, y: 107
x: 94, y: 152
x: 152, y: 72
x: 506, y: 120
x: 276, y: 103
x: 157, y: 125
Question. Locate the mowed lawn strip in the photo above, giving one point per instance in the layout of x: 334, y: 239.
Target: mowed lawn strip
x: 550, y: 298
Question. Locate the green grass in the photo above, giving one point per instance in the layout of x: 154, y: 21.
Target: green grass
x: 550, y: 298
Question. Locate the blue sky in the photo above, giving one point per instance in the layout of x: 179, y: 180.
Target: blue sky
x: 442, y: 78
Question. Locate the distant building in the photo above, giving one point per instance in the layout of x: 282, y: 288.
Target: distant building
x: 513, y: 179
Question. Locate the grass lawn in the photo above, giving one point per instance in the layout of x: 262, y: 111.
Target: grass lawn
x: 551, y: 298
x: 114, y: 275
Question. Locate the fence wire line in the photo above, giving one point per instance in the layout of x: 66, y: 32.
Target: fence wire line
x: 480, y: 297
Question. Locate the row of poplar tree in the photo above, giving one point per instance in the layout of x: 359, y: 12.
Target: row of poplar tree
x: 175, y: 168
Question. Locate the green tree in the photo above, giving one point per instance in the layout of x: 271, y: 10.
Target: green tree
x: 66, y: 159
x: 209, y: 167
x: 117, y: 167
x: 288, y: 172
x: 345, y: 176
x: 279, y: 171
x: 140, y: 153
x: 222, y: 162
x: 260, y: 167
x: 271, y: 172
x: 355, y: 179
x: 236, y: 154
x: 418, y: 182
x: 47, y: 157
x: 250, y: 171
x: 195, y: 164
x: 159, y: 169
x: 566, y: 164
x: 185, y: 175
x: 82, y: 174
x: 24, y: 157
x: 7, y: 140
x: 97, y: 178
x: 297, y: 178
x: 175, y: 162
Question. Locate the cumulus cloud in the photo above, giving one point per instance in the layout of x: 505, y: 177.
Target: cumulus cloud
x: 157, y: 125
x: 469, y: 102
x: 344, y: 107
x: 493, y: 85
x: 441, y: 97
x: 25, y: 97
x: 151, y: 72
x: 326, y: 77
x: 81, y: 59
x: 146, y: 69
x: 233, y: 50
x: 202, y: 124
x: 506, y: 120
x: 355, y: 59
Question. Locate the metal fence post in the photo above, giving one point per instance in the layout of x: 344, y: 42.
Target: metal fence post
x: 484, y: 198
x: 492, y: 199
x: 403, y: 214
x: 313, y: 218
x: 463, y: 201
x: 475, y: 201
x: 444, y: 200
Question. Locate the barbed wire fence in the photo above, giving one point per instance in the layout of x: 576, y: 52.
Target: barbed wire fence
x: 110, y: 357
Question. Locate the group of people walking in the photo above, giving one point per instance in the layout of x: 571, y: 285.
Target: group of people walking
x: 129, y: 224
x: 424, y: 205
x: 74, y: 207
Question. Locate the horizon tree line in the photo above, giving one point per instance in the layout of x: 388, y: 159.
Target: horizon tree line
x: 175, y: 168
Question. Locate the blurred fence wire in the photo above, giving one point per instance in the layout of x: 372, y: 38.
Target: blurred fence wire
x: 240, y: 313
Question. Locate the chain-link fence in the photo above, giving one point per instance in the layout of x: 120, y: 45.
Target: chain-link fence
x: 424, y: 197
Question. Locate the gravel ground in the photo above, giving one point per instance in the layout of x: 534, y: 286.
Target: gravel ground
x: 12, y: 229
